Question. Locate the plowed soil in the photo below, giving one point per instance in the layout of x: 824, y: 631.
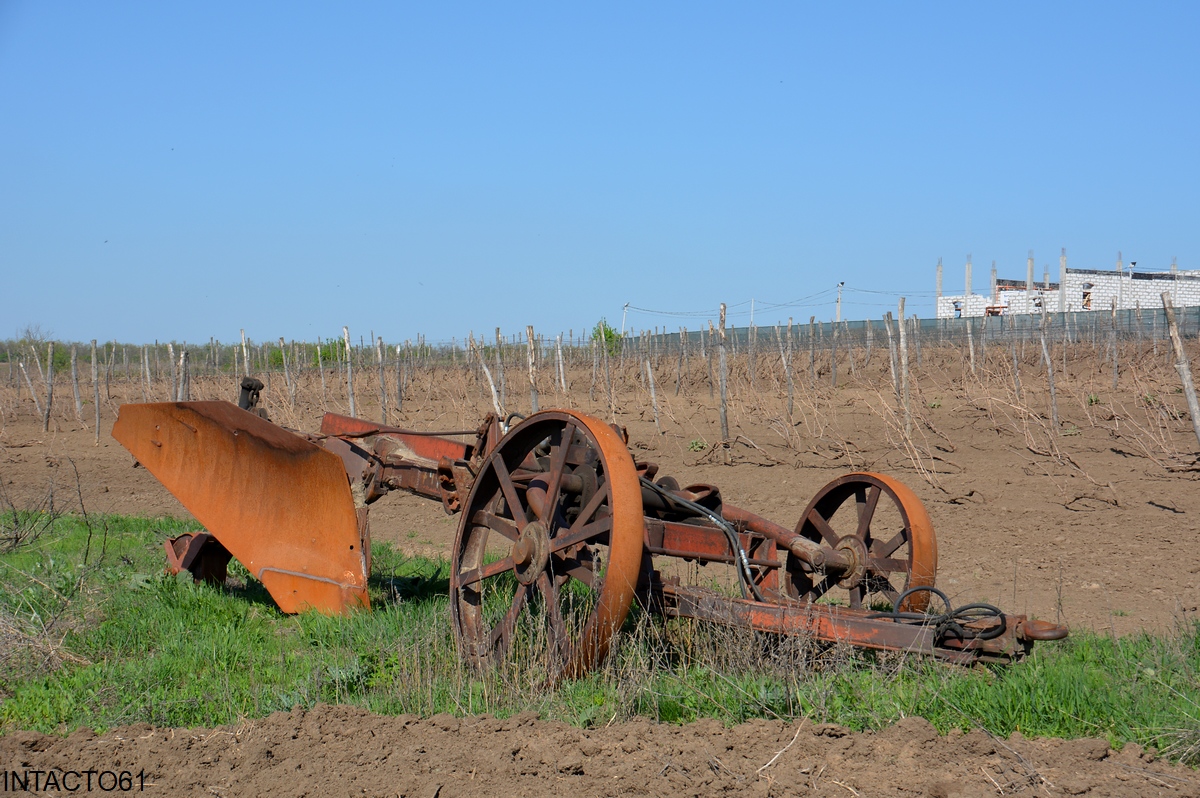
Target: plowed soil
x: 344, y: 751
x: 1105, y: 539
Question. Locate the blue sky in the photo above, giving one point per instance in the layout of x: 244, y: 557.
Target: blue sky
x: 175, y: 171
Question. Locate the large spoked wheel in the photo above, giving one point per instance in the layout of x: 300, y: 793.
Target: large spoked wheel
x: 881, y: 529
x: 549, y: 546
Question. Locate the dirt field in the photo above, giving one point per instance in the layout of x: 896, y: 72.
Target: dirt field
x: 338, y: 750
x: 1097, y: 527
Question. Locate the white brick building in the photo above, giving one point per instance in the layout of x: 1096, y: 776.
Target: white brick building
x: 1077, y: 289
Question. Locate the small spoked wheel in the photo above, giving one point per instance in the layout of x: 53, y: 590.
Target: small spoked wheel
x: 549, y: 546
x: 880, y: 531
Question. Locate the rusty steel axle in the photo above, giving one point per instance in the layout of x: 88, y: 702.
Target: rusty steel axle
x: 559, y: 527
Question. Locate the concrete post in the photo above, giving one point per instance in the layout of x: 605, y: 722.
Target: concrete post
x: 1029, y: 283
x: 967, y: 289
x: 1062, y: 281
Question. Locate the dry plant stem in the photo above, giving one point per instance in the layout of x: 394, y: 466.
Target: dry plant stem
x: 533, y: 391
x: 887, y: 324
x: 1182, y: 366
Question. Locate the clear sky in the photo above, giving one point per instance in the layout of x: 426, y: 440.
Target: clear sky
x: 175, y: 171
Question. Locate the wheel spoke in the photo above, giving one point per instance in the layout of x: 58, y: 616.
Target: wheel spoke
x: 575, y: 568
x: 474, y: 575
x: 879, y: 549
x: 866, y: 511
x: 558, y: 458
x: 501, y: 634
x: 558, y: 627
x: 823, y: 527
x: 495, y: 523
x: 510, y: 491
x: 887, y: 565
x: 584, y: 533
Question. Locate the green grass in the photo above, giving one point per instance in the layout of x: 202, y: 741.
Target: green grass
x: 93, y: 634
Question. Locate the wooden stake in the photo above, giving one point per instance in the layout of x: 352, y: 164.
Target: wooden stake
x: 653, y: 396
x: 1049, y: 376
x: 382, y: 380
x: 500, y: 366
x: 812, y: 351
x: 400, y: 380
x: 679, y: 366
x: 893, y: 365
x: 75, y: 383
x: 287, y: 375
x: 721, y: 352
x: 533, y: 391
x: 321, y: 368
x: 96, y: 389
x: 174, y: 395
x: 1182, y: 366
x: 185, y: 377
x: 49, y: 386
x: 904, y: 373
x: 785, y: 355
x: 349, y: 373
x: 246, y: 354
x: 1116, y: 367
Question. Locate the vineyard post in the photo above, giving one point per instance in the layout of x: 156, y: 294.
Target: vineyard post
x: 500, y: 365
x: 595, y: 368
x: 1116, y: 368
x: 916, y: 329
x: 970, y: 342
x: 49, y: 386
x: 562, y: 370
x: 145, y: 375
x: 349, y: 373
x: 653, y: 396
x: 723, y: 366
x: 892, y: 364
x: 174, y: 394
x: 1012, y: 347
x: 96, y: 390
x: 533, y: 391
x: 1181, y: 365
x: 246, y: 353
x: 870, y: 334
x: 491, y: 383
x: 813, y: 352
x: 833, y: 342
x: 112, y: 356
x: 1049, y: 375
x: 786, y: 357
x: 185, y: 382
x: 75, y: 383
x: 679, y: 366
x: 612, y: 408
x: 904, y: 371
x: 287, y: 373
x: 711, y: 379
x: 753, y: 335
x: 399, y: 380
x: 379, y: 350
x: 321, y: 369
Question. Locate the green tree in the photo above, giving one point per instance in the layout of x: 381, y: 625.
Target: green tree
x: 609, y: 337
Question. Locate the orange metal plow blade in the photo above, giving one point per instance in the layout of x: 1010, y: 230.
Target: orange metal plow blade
x: 281, y: 505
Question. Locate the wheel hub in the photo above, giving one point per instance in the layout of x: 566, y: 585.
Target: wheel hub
x: 855, y: 552
x: 531, y: 552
